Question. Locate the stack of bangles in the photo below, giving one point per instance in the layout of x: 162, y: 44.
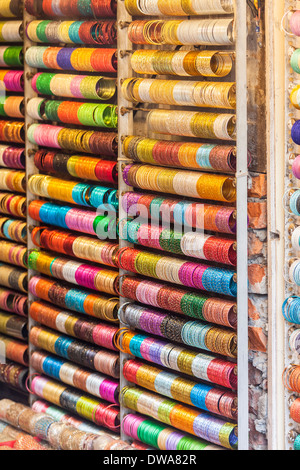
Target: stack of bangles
x: 75, y: 219
x: 196, y: 245
x: 14, y: 375
x: 200, y: 32
x: 82, y: 59
x: 11, y: 56
x: 15, y: 351
x: 98, y: 143
x: 180, y: 93
x: 12, y: 157
x: 175, y: 270
x: 93, y: 383
x: 181, y: 154
x: 80, y: 301
x: 12, y: 106
x: 77, y: 8
x: 205, y: 397
x: 182, y: 63
x: 12, y: 180
x: 12, y: 131
x: 294, y: 341
x: 13, y: 254
x: 294, y: 272
x: 13, y: 302
x: 294, y: 62
x: 160, y: 436
x: 291, y: 309
x: 11, y: 31
x: 45, y: 428
x: 72, y: 112
x: 13, y: 325
x: 80, y: 247
x: 10, y: 8
x: 179, y: 8
x: 192, y: 333
x: 13, y: 229
x: 185, y: 302
x: 294, y: 97
x: 74, y: 434
x: 295, y: 202
x: 74, y: 325
x: 101, y: 413
x: 291, y: 378
x: 12, y: 205
x: 295, y: 410
x: 75, y: 193
x: 180, y: 212
x: 82, y: 167
x: 13, y: 278
x: 192, y: 124
x: 12, y: 80
x: 182, y: 417
x: 41, y: 406
x: 203, y: 366
x: 74, y: 86
x: 86, y: 355
x: 73, y: 32
x: 184, y: 183
x: 84, y: 275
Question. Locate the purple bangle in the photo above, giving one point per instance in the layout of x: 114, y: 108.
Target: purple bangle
x: 75, y: 86
x: 125, y: 174
x: 186, y: 274
x: 197, y: 276
x: 63, y: 58
x: 173, y: 440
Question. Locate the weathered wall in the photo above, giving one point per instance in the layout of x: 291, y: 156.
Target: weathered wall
x: 257, y: 238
